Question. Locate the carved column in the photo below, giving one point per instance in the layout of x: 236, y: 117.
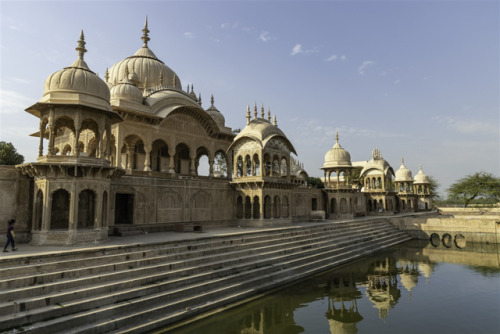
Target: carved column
x: 108, y: 142
x: 211, y: 167
x: 147, y: 162
x: 42, y: 130
x: 192, y: 167
x: 171, y: 160
x: 130, y: 156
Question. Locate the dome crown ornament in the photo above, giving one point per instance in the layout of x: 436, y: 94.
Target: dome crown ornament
x: 145, y: 36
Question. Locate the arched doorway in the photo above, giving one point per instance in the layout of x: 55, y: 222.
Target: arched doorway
x: 60, y: 210
x: 86, y: 209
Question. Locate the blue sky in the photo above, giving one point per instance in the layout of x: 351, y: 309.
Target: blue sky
x: 416, y: 79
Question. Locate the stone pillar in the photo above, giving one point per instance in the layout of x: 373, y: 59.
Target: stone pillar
x: 130, y: 156
x: 147, y: 162
x: 108, y: 142
x: 171, y: 167
x: 73, y: 209
x: 211, y: 167
x: 47, y: 209
x: 42, y: 130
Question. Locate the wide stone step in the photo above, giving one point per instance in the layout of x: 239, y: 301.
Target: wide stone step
x: 134, y: 260
x: 60, y: 310
x: 82, y: 287
x: 206, y: 295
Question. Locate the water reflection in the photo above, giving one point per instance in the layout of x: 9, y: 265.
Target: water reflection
x: 343, y: 296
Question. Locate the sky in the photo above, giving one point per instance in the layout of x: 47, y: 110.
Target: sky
x: 415, y: 79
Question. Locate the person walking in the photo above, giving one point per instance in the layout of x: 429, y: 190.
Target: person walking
x: 10, y: 236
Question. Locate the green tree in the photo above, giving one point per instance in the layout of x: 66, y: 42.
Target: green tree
x: 433, y: 187
x: 9, y: 155
x: 480, y: 185
x: 315, y: 182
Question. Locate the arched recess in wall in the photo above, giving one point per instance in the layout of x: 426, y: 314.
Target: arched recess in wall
x: 59, y: 218
x: 343, y: 206
x: 267, y: 207
x: 256, y: 207
x: 248, y: 207
x: 86, y: 209
x: 182, y: 159
x: 160, y: 157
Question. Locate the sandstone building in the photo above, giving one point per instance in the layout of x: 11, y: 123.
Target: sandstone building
x: 123, y: 154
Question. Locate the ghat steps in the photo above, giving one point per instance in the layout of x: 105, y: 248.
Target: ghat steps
x: 137, y: 288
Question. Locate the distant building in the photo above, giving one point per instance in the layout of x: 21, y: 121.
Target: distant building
x: 122, y: 155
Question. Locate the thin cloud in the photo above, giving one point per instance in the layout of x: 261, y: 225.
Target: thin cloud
x: 470, y: 126
x: 298, y: 49
x: 364, y: 65
x: 332, y: 58
x: 335, y: 57
x: 265, y: 36
x: 11, y: 102
x: 190, y: 35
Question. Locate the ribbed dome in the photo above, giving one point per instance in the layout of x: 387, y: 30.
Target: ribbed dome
x: 216, y: 114
x: 421, y: 178
x: 147, y: 69
x: 77, y: 84
x: 403, y: 174
x: 337, y: 156
x: 126, y: 91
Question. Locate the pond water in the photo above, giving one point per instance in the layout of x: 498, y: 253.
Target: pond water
x: 414, y: 288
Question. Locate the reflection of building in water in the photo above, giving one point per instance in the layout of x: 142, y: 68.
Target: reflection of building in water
x: 343, y: 314
x: 426, y: 268
x: 382, y: 288
x: 409, y: 274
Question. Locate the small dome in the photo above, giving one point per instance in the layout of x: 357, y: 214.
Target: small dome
x: 126, y: 91
x: 403, y: 174
x: 216, y: 114
x: 147, y: 70
x: 337, y: 156
x: 421, y: 178
x: 77, y: 84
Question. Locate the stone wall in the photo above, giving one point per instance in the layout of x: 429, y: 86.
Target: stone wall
x: 15, y: 202
x: 473, y: 228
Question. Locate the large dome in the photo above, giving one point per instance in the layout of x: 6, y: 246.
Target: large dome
x: 421, y: 178
x: 337, y: 156
x: 148, y: 70
x: 77, y: 84
x: 403, y: 174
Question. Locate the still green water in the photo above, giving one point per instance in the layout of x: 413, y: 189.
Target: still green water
x: 414, y: 288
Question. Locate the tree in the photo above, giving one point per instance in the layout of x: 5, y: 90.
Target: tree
x: 315, y: 182
x: 480, y: 185
x: 433, y: 187
x: 9, y: 155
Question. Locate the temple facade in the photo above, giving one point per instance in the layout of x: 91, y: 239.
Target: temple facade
x: 123, y: 155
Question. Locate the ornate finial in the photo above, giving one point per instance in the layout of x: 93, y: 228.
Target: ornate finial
x: 275, y: 123
x: 81, y: 46
x: 255, y: 107
x: 212, y: 99
x: 336, y: 137
x: 161, y: 78
x: 420, y: 166
x: 106, y: 75
x: 402, y: 161
x: 145, y: 38
x: 199, y: 99
x: 262, y: 110
x: 255, y: 113
x: 192, y: 88
x: 268, y: 115
x: 248, y: 114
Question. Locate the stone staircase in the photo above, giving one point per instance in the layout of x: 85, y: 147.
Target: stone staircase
x: 141, y: 287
